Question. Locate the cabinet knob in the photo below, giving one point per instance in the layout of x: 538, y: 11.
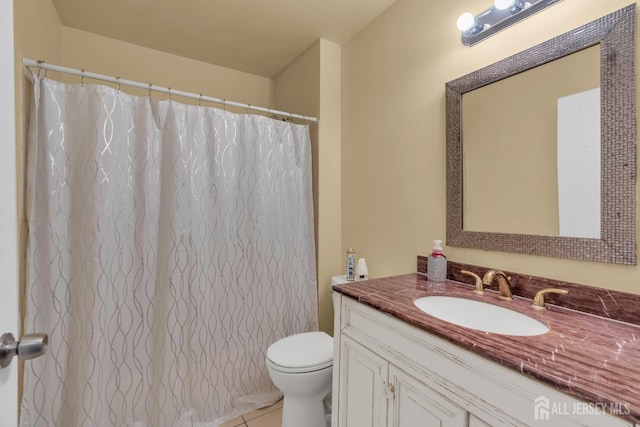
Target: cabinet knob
x: 388, y: 390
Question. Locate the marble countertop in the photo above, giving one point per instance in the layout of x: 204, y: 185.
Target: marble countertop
x: 586, y: 356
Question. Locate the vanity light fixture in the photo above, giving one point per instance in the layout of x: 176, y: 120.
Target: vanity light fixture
x: 501, y: 15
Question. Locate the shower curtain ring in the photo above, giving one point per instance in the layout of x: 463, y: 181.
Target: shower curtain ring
x: 118, y: 83
x: 149, y: 90
x: 40, y: 62
x: 82, y: 78
x: 224, y: 105
x: 200, y: 101
x: 170, y: 94
x: 248, y: 108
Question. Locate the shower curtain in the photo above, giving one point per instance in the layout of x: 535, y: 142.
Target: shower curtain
x: 168, y: 247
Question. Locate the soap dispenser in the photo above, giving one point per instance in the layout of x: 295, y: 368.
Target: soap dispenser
x: 437, y: 264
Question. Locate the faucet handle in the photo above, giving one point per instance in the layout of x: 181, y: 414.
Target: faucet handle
x: 538, y: 300
x: 479, y: 287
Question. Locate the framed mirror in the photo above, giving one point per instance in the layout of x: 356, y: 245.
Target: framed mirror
x: 548, y: 170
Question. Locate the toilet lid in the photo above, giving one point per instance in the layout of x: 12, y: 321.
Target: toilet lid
x: 306, y: 350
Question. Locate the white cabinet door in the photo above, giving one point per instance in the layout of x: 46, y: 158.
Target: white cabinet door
x: 416, y: 405
x: 363, y: 386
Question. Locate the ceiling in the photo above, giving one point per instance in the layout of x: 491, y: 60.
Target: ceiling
x: 256, y: 36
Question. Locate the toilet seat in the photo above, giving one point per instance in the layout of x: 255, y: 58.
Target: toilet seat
x: 306, y: 352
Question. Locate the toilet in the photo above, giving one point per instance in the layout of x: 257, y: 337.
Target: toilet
x: 301, y: 366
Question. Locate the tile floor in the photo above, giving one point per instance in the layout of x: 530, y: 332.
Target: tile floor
x: 271, y: 416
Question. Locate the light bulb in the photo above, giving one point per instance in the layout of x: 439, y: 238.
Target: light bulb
x: 466, y: 21
x: 504, y: 4
x: 512, y: 6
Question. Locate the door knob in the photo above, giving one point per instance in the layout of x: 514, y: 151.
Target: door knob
x: 29, y: 347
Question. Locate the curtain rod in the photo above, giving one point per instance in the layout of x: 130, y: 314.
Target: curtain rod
x: 81, y: 73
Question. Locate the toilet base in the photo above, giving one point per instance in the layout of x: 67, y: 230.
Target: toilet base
x: 297, y: 412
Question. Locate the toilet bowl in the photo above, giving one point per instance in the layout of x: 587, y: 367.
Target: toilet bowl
x: 301, y: 366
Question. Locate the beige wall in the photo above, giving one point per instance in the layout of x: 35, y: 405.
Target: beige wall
x: 38, y: 31
x: 393, y: 138
x: 297, y: 87
x: 331, y: 254
x: 83, y: 50
x: 310, y: 85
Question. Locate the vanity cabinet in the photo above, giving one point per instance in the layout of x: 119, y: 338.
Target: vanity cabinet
x: 376, y: 393
x: 389, y: 373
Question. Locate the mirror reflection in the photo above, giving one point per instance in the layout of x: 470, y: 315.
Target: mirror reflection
x: 531, y: 153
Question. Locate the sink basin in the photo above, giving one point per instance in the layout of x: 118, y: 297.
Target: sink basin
x: 481, y: 316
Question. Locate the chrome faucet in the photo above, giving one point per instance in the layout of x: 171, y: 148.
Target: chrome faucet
x: 503, y: 282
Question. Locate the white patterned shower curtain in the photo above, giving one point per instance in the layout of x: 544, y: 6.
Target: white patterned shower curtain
x: 168, y: 246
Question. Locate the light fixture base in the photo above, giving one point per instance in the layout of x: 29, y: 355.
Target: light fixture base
x: 494, y: 20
